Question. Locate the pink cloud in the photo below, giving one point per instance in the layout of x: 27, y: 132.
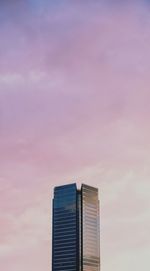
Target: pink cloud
x: 74, y: 104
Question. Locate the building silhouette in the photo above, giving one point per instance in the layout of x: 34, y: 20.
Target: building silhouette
x: 76, y: 233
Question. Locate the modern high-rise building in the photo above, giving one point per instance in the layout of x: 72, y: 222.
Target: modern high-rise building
x: 76, y: 232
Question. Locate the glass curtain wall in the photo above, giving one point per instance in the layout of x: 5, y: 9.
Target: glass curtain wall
x: 65, y: 229
x: 90, y: 229
x: 75, y: 229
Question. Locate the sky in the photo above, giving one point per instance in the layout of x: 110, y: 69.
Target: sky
x: 74, y: 107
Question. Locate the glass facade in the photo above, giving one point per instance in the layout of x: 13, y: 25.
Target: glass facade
x: 90, y: 229
x: 65, y: 229
x: 75, y: 229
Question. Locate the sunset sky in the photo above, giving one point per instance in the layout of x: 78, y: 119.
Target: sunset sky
x: 74, y: 107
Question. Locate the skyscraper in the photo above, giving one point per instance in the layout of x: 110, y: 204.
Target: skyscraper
x: 75, y: 236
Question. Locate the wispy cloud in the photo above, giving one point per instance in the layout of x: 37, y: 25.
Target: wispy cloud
x: 74, y: 104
